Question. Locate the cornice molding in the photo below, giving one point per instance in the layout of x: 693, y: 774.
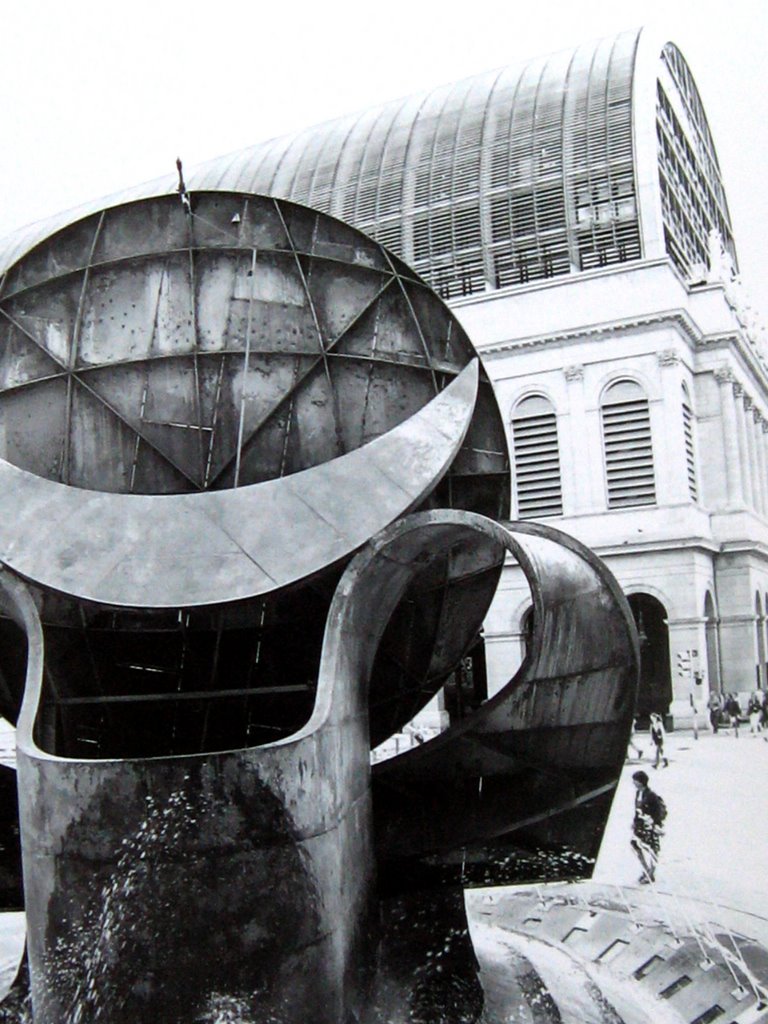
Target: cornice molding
x: 678, y: 318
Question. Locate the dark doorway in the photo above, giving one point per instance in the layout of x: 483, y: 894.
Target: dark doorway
x: 467, y: 686
x: 655, y: 690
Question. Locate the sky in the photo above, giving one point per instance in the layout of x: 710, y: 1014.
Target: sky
x: 101, y: 96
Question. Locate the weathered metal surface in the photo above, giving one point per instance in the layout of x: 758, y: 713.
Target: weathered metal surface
x: 216, y: 400
x: 167, y: 551
x: 147, y: 349
x: 271, y: 848
x: 167, y: 889
x: 532, y: 772
x: 196, y: 808
x: 155, y: 888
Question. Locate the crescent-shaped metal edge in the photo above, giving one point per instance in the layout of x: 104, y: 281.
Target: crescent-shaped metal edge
x: 187, y: 550
x: 554, y: 584
x: 551, y: 740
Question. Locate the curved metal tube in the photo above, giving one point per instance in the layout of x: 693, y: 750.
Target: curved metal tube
x: 536, y: 766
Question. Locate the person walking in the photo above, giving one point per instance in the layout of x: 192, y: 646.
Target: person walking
x: 647, y: 826
x: 715, y: 706
x: 755, y: 712
x: 733, y: 710
x: 658, y: 736
x: 632, y: 745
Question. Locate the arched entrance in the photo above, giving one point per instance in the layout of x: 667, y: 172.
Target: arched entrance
x: 713, y: 656
x: 655, y: 690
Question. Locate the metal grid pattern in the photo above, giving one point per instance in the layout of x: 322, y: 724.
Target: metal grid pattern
x: 692, y: 195
x: 537, y: 459
x: 201, y: 343
x: 152, y: 350
x: 628, y: 446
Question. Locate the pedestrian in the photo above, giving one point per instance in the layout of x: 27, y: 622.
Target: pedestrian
x: 715, y: 705
x: 658, y: 736
x: 647, y: 826
x: 755, y: 712
x: 733, y: 710
x: 638, y: 751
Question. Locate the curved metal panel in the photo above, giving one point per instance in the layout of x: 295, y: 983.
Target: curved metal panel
x: 165, y: 551
x: 170, y: 888
x: 165, y: 887
x: 278, y: 365
x: 533, y: 770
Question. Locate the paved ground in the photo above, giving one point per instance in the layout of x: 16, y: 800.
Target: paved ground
x: 716, y: 842
x: 715, y: 850
x: 711, y: 876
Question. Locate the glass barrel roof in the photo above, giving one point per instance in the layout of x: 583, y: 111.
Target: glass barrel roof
x: 509, y: 177
x: 500, y: 179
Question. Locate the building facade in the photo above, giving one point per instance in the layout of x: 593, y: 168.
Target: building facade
x: 571, y: 211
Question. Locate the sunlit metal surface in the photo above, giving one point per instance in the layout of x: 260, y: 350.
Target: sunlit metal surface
x: 164, y: 551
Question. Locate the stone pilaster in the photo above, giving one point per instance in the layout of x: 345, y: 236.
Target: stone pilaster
x: 671, y: 469
x: 754, y: 488
x: 757, y: 438
x: 733, y: 479
x: 578, y: 468
x: 741, y: 433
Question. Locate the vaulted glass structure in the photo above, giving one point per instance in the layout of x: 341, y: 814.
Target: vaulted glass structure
x: 566, y: 163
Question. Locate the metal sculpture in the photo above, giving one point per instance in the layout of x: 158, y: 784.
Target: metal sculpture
x: 207, y: 408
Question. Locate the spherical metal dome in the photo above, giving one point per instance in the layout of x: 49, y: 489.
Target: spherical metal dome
x: 162, y: 347
x: 200, y: 343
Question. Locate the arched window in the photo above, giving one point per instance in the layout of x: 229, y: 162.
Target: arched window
x: 627, y: 446
x: 537, y: 459
x: 690, y: 460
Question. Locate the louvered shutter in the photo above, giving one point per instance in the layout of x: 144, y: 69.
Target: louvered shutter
x: 537, y: 459
x: 627, y: 446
